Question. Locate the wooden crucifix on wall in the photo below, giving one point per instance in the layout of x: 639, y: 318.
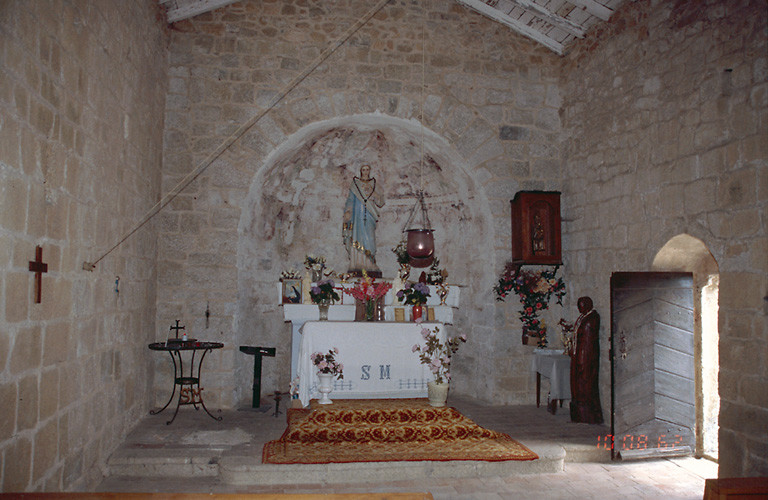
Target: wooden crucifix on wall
x: 38, y: 267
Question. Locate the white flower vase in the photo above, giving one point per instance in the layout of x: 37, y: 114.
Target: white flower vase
x: 437, y: 393
x: 325, y: 386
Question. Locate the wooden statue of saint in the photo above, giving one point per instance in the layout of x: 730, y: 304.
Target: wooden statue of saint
x: 585, y: 365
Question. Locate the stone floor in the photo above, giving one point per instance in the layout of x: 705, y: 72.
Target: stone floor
x: 192, y: 454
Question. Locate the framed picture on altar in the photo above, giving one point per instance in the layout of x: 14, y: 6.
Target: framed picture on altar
x: 399, y: 314
x: 430, y: 314
x: 291, y: 291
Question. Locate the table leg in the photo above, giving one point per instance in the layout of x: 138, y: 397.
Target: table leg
x: 175, y: 375
x: 190, y: 392
x: 200, y: 390
x: 538, y: 389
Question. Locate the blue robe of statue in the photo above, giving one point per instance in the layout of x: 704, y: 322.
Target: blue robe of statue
x: 359, y: 232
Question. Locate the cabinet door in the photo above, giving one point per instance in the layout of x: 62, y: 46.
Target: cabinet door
x: 536, y: 228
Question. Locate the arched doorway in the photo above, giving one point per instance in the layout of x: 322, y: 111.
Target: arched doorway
x: 686, y: 253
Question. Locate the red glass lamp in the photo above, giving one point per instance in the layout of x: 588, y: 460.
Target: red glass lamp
x: 420, y: 243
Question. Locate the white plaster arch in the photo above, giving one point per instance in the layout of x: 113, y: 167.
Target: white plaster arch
x: 295, y: 201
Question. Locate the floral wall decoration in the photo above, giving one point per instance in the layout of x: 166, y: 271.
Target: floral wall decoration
x: 534, y: 289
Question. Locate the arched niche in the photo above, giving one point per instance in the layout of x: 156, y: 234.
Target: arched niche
x: 295, y: 204
x: 687, y: 253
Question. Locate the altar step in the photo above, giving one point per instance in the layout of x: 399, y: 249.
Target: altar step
x: 201, y: 453
x: 242, y: 466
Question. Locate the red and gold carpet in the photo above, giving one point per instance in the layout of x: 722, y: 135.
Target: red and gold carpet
x: 387, y: 430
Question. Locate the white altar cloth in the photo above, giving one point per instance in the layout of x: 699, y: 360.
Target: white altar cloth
x: 377, y: 357
x: 556, y: 366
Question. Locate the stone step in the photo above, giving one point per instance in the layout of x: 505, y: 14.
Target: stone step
x: 242, y: 466
x: 241, y: 470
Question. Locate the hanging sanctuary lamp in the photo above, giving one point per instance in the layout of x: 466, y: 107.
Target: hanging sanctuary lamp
x: 420, y: 242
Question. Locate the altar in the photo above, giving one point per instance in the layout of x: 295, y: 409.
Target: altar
x: 344, y: 310
x: 378, y: 359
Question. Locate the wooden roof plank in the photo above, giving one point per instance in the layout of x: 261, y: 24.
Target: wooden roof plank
x: 552, y: 18
x: 178, y: 10
x: 488, y: 11
x: 594, y: 8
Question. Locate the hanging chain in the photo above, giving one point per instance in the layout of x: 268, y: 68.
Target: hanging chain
x: 425, y: 222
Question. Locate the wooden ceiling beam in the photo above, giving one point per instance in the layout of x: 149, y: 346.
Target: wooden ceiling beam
x: 594, y: 8
x: 178, y: 10
x: 523, y: 29
x: 552, y: 18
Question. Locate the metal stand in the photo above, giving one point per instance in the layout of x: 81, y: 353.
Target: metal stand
x: 190, y: 391
x: 257, y: 353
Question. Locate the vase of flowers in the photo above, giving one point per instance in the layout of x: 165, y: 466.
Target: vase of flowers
x: 323, y: 294
x: 534, y: 289
x: 414, y: 294
x: 315, y: 265
x: 368, y: 292
x: 403, y: 260
x: 437, y: 394
x: 437, y: 356
x: 327, y: 369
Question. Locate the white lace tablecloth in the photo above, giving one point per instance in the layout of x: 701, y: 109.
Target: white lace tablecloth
x: 377, y: 357
x: 556, y: 367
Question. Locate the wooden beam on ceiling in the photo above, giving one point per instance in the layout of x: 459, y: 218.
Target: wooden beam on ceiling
x: 552, y: 18
x: 594, y: 8
x: 523, y: 29
x: 178, y: 10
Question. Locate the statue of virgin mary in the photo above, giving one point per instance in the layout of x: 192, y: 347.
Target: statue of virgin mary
x: 361, y: 213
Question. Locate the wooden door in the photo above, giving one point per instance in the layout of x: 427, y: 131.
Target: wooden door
x: 652, y: 362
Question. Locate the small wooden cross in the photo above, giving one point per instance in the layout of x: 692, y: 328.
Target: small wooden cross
x: 38, y: 267
x: 177, y: 328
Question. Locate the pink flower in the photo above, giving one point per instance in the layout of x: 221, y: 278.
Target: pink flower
x: 415, y: 348
x: 336, y: 350
x: 425, y: 333
x: 463, y: 337
x: 322, y: 365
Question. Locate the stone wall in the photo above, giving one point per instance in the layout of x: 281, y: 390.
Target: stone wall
x: 82, y: 91
x: 491, y: 128
x: 665, y: 124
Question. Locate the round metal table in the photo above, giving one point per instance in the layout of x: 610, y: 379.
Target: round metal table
x: 190, y: 392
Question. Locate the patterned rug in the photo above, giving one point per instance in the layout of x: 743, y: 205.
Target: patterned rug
x: 387, y: 430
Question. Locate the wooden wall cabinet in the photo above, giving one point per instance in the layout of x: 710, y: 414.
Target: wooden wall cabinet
x: 536, y: 228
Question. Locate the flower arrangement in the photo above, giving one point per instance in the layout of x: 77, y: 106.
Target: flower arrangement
x: 435, y: 275
x: 414, y: 294
x: 313, y: 263
x: 534, y: 289
x: 290, y: 274
x: 566, y: 335
x: 323, y: 291
x: 326, y: 363
x: 401, y: 252
x: 368, y: 289
x: 437, y: 355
